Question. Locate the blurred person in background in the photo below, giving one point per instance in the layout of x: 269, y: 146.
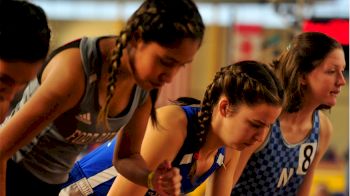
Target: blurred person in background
x: 311, y: 71
x: 24, y: 44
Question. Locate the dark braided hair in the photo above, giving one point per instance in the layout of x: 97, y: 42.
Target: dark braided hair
x: 184, y: 101
x: 166, y: 22
x: 304, y: 54
x: 247, y: 82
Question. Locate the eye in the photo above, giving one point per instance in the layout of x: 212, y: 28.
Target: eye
x: 166, y: 63
x: 256, y: 125
x: 331, y: 71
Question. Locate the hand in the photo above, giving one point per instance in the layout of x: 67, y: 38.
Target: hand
x: 167, y: 179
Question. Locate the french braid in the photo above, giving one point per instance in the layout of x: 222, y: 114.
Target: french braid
x: 162, y: 21
x: 247, y: 82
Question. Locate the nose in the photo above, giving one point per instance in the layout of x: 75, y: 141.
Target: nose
x: 164, y: 77
x: 341, y: 80
x: 169, y: 74
x: 259, y: 135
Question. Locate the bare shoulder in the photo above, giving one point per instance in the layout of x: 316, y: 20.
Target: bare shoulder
x: 64, y: 76
x: 326, y: 127
x: 172, y: 116
x: 231, y: 155
x: 67, y: 63
x: 326, y: 130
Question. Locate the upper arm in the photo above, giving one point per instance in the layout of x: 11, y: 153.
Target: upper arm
x: 163, y: 141
x: 158, y: 141
x: 326, y: 130
x: 130, y: 137
x: 59, y: 91
x: 158, y: 145
x: 220, y: 183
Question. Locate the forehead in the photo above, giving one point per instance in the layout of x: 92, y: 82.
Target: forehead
x: 184, y: 50
x: 335, y: 58
x: 261, y: 112
x: 18, y: 70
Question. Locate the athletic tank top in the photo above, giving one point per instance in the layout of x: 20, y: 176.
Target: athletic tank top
x: 52, y: 153
x: 94, y: 173
x: 278, y: 168
x: 184, y: 159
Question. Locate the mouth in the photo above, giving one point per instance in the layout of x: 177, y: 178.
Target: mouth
x: 157, y: 84
x: 248, y: 144
x: 335, y: 93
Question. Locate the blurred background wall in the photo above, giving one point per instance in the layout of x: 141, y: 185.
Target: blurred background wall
x: 236, y: 30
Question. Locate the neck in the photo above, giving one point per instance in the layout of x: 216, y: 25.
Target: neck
x: 106, y: 47
x: 300, y: 117
x: 210, y: 147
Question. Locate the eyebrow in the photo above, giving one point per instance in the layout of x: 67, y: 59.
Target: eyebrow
x: 343, y: 66
x: 175, y: 60
x: 261, y: 123
x: 169, y: 58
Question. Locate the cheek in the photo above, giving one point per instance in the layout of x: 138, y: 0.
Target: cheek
x: 140, y: 68
x: 146, y: 67
x: 322, y: 80
x: 233, y: 133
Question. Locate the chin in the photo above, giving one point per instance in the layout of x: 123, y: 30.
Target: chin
x: 331, y: 103
x: 238, y: 147
x: 145, y: 86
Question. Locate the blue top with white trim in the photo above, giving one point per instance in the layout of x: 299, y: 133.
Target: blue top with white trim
x: 95, y: 173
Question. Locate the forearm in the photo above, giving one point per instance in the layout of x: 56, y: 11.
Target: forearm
x: 133, y: 168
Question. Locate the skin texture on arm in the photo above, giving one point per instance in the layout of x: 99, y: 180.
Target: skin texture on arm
x: 326, y: 130
x: 61, y: 88
x: 127, y: 158
x: 220, y: 183
x: 158, y: 145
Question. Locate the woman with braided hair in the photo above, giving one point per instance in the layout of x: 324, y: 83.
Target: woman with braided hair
x: 311, y: 72
x: 89, y: 89
x: 237, y: 108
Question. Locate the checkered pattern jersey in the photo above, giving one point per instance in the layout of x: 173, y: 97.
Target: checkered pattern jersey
x: 278, y: 168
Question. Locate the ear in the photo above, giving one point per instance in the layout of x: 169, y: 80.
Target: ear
x: 133, y: 43
x: 223, y: 106
x: 303, y: 79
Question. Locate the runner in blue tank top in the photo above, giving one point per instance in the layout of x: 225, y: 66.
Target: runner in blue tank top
x: 311, y: 71
x: 238, y: 106
x: 95, y: 172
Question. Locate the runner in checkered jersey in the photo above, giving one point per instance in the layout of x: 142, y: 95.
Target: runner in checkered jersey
x: 311, y: 71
